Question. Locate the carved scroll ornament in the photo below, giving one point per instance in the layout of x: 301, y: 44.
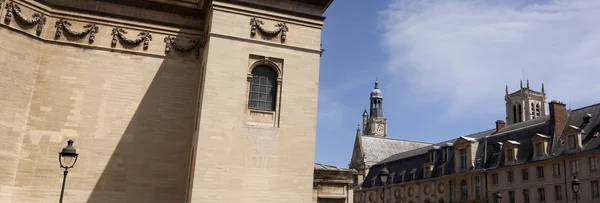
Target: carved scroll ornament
x: 257, y: 26
x: 194, y: 45
x: 37, y: 18
x: 63, y: 25
x: 119, y: 33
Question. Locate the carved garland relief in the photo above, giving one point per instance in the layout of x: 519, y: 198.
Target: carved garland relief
x: 256, y: 25
x: 37, y: 18
x: 63, y: 25
x: 119, y: 33
x: 194, y: 45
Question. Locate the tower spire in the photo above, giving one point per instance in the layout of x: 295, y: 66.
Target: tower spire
x: 527, y: 83
x: 506, y: 90
x: 521, y: 84
x: 543, y: 88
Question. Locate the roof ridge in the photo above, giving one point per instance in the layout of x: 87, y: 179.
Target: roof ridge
x: 387, y: 138
x: 588, y: 106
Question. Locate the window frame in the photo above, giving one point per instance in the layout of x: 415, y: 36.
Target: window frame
x: 270, y: 78
x: 593, y: 165
x: 540, y: 172
x: 463, y: 159
x: 525, y: 174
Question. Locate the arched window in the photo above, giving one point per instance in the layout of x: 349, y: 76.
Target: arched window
x: 515, y: 114
x: 464, y: 190
x: 520, y: 113
x: 263, y: 88
x: 537, y: 110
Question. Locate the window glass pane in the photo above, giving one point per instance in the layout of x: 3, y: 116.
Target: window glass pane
x: 263, y: 80
x: 255, y: 80
x: 263, y: 89
x: 253, y: 96
x: 262, y: 97
x: 252, y: 104
x: 254, y: 88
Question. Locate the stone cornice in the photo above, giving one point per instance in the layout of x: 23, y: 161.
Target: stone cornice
x: 275, y: 9
x: 150, y: 5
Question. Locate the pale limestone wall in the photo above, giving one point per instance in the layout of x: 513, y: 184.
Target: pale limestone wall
x: 238, y: 161
x: 130, y: 112
x: 18, y: 71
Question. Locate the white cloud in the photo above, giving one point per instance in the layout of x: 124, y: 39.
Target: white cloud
x: 465, y: 51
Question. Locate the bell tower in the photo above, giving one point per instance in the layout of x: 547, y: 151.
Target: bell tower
x: 373, y: 123
x: 524, y: 104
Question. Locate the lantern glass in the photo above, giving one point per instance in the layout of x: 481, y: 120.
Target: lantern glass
x: 68, y: 156
x: 67, y: 161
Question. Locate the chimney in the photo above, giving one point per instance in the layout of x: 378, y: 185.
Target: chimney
x: 558, y: 117
x: 499, y: 125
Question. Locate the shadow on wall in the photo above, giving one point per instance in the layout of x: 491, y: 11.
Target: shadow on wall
x: 151, y: 160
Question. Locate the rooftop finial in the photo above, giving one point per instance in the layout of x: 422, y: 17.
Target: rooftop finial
x: 358, y: 128
x: 543, y: 88
x: 376, y: 83
x: 521, y: 84
x: 506, y: 90
x: 527, y: 83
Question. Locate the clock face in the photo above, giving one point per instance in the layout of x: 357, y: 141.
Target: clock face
x: 379, y: 129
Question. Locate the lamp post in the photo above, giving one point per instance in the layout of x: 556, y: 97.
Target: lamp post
x: 575, y: 187
x: 383, y: 176
x: 498, y: 197
x: 67, y: 158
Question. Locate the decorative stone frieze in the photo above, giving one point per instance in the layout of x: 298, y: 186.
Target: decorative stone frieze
x: 194, y: 45
x: 64, y: 25
x: 37, y: 18
x: 119, y: 33
x: 257, y: 26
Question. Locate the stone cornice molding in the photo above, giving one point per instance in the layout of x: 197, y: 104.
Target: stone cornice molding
x: 275, y: 9
x: 150, y: 5
x: 268, y: 15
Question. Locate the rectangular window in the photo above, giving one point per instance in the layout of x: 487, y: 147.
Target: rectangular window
x: 572, y: 142
x: 477, y: 188
x: 593, y: 166
x: 427, y: 172
x: 525, y: 195
x: 495, y: 179
x: 510, y: 156
x: 525, y: 174
x: 540, y: 172
x: 510, y: 176
x: 463, y: 159
x: 511, y: 196
x: 444, y: 154
x: 574, y: 168
x: 556, y: 169
x: 538, y: 149
x: 557, y: 192
x: 541, y: 194
x: 595, y: 189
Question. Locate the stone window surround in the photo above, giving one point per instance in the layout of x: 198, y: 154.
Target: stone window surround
x: 541, y: 141
x: 264, y: 117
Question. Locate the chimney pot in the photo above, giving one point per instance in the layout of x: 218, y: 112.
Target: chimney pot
x: 500, y: 124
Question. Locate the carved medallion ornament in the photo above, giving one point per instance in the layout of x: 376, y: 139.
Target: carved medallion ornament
x: 257, y: 26
x: 371, y: 197
x: 441, y: 188
x: 194, y: 45
x: 36, y: 19
x: 119, y: 33
x: 427, y: 189
x: 411, y: 192
x: 63, y: 25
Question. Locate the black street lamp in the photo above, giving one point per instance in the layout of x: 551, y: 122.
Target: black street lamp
x: 67, y: 158
x: 575, y: 187
x: 383, y: 176
x: 498, y: 197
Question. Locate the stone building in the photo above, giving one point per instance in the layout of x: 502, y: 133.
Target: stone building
x: 333, y: 184
x: 166, y: 100
x: 534, y: 158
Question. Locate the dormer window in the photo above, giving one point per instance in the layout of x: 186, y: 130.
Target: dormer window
x: 512, y: 148
x: 572, y: 142
x: 540, y: 146
x: 573, y: 135
x: 463, y: 158
x: 428, y: 168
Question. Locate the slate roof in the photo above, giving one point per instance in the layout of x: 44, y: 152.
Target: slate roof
x: 522, y: 133
x: 379, y: 148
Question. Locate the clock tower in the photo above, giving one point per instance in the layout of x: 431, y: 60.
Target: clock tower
x: 373, y: 123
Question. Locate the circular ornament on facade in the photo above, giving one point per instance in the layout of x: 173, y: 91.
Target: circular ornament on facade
x: 371, y: 197
x: 427, y: 189
x: 396, y: 193
x: 411, y: 191
x: 441, y: 188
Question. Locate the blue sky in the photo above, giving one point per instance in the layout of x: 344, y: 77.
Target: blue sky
x: 443, y: 64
